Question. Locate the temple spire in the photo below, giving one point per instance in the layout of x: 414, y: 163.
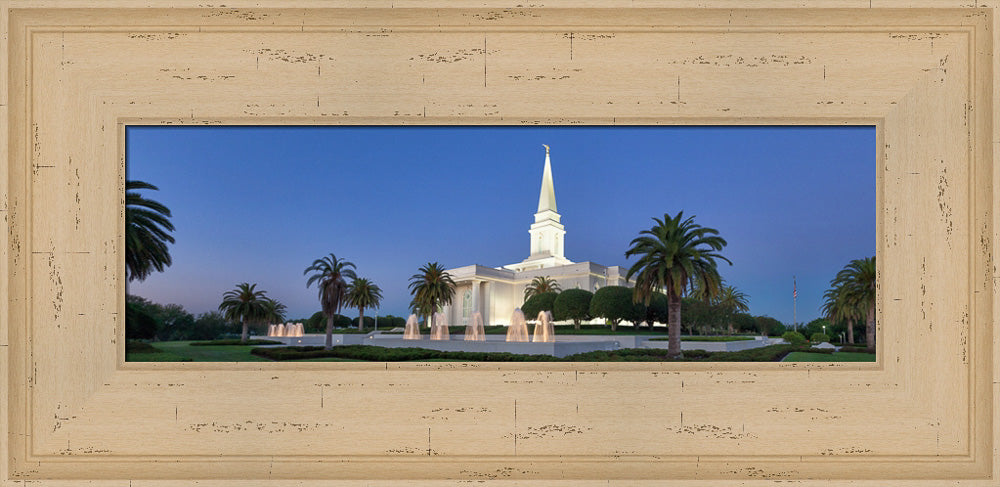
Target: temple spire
x: 547, y: 196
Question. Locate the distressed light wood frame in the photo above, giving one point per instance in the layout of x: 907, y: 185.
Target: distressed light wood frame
x: 78, y: 71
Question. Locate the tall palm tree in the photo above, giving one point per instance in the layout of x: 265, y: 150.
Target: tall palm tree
x: 244, y: 305
x: 732, y: 301
x: 361, y: 294
x: 539, y: 285
x: 147, y: 227
x: 330, y: 273
x: 431, y: 288
x: 839, y: 307
x: 858, y: 281
x: 675, y: 254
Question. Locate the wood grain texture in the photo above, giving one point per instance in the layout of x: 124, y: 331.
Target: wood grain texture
x: 922, y: 72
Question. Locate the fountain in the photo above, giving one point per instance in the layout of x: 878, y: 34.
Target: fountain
x: 475, y: 331
x: 285, y: 330
x: 439, y: 330
x: 412, y: 331
x: 518, y: 329
x: 544, y: 331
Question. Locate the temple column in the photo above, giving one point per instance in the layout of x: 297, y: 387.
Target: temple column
x: 488, y: 308
x: 475, y: 300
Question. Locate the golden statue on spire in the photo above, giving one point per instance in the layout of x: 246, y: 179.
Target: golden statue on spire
x: 546, y: 148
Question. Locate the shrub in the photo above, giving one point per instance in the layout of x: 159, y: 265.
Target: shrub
x: 853, y: 349
x: 382, y: 354
x: 819, y: 337
x: 827, y: 351
x: 572, y: 304
x: 794, y: 338
x: 538, y: 303
x: 614, y: 303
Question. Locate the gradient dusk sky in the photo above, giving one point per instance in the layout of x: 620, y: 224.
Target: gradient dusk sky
x: 259, y: 204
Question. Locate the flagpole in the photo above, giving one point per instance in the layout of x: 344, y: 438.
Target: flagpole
x: 795, y: 297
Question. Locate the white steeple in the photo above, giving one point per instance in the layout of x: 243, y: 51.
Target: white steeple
x: 546, y: 233
x: 547, y: 196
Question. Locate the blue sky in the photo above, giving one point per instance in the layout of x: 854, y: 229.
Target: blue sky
x: 259, y: 204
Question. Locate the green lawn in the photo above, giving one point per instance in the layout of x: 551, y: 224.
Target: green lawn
x: 829, y: 357
x: 183, y: 351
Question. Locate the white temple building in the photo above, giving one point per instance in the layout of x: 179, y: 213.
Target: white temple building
x: 496, y: 291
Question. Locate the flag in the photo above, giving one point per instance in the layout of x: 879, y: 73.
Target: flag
x: 795, y: 291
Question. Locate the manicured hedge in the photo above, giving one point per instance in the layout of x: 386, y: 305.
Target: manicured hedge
x: 771, y: 353
x: 383, y: 354
x: 794, y: 337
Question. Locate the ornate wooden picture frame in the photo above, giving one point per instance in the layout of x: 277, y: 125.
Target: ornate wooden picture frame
x: 79, y: 71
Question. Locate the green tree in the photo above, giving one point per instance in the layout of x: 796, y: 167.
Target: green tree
x: 744, y: 323
x: 173, y: 322
x: 274, y: 312
x: 817, y: 326
x: 538, y: 303
x: 147, y: 232
x: 330, y: 274
x: 732, y: 301
x: 361, y: 294
x: 675, y: 254
x: 857, y: 280
x: 539, y: 285
x: 572, y: 304
x: 208, y: 326
x: 701, y: 315
x: 768, y: 326
x: 616, y: 303
x: 838, y: 305
x: 243, y: 305
x: 138, y: 323
x: 431, y: 288
x: 658, y: 310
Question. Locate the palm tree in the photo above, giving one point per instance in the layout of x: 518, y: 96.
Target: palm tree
x: 838, y: 307
x: 674, y: 255
x: 147, y: 227
x: 858, y: 281
x: 330, y: 272
x: 732, y: 301
x: 274, y: 311
x: 245, y: 305
x: 361, y: 294
x: 431, y: 288
x: 539, y: 285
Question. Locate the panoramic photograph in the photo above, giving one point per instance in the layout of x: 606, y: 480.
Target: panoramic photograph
x: 500, y: 243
